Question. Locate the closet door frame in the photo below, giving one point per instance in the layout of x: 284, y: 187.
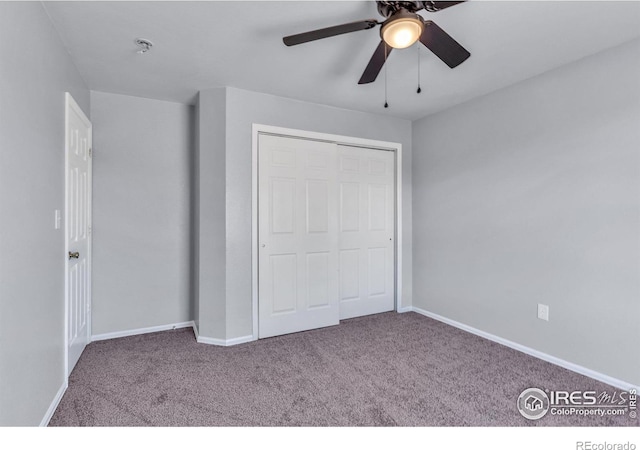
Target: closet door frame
x: 395, y: 147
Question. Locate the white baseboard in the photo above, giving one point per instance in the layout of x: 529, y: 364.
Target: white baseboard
x: 54, y: 404
x: 405, y: 309
x: 225, y: 342
x: 118, y: 334
x: 241, y: 340
x: 173, y: 326
x: 221, y: 342
x: 195, y: 330
x: 529, y: 351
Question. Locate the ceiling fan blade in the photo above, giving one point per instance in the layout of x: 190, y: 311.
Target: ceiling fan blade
x: 322, y: 33
x: 375, y: 63
x: 436, y: 6
x: 442, y: 45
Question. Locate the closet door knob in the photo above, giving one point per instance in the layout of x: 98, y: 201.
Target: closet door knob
x: 75, y: 255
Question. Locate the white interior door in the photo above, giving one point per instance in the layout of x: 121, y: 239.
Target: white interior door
x: 297, y: 235
x: 77, y: 231
x: 367, y: 231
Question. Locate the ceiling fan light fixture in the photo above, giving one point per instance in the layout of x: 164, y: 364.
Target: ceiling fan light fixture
x: 402, y: 29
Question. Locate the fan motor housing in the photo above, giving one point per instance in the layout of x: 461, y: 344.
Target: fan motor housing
x: 389, y: 8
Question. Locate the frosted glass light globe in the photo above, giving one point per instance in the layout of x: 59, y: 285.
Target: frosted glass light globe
x: 403, y: 32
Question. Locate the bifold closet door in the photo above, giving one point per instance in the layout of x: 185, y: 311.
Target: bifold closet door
x: 366, y: 180
x: 297, y: 235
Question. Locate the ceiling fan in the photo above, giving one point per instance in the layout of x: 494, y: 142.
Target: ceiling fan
x: 401, y: 29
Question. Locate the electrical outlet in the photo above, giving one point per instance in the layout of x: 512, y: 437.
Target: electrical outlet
x: 543, y: 312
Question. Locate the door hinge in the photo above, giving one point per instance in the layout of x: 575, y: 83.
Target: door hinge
x: 90, y: 152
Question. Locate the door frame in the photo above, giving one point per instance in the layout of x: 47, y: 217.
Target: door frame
x: 395, y: 147
x: 70, y: 104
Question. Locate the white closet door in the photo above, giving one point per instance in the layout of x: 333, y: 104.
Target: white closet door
x: 297, y: 235
x: 366, y: 223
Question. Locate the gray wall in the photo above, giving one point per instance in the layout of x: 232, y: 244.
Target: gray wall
x: 142, y: 167
x: 35, y: 72
x: 210, y: 214
x: 243, y: 108
x: 532, y: 195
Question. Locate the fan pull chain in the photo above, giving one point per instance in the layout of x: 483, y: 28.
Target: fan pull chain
x: 419, y: 88
x: 386, y: 105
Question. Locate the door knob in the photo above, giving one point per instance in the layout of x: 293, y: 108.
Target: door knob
x: 75, y: 255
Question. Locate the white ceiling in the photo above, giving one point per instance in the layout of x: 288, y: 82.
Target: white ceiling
x: 199, y: 45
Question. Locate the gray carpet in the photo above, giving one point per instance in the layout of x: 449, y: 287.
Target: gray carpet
x: 383, y: 370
